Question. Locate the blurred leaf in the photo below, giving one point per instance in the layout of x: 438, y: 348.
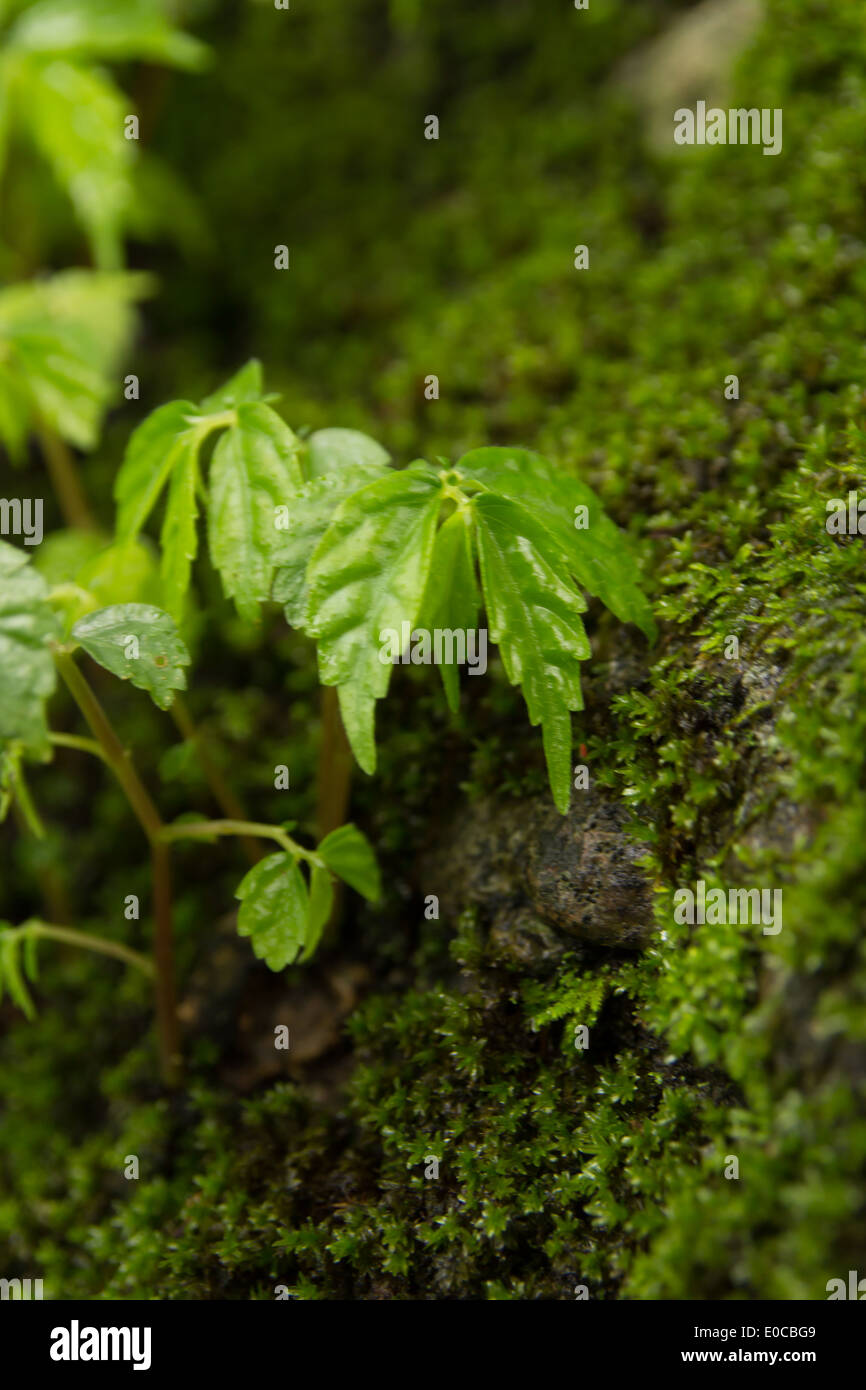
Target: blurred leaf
x: 152, y: 452
x: 139, y: 643
x: 61, y: 340
x: 112, y: 29
x: 246, y: 385
x: 27, y: 626
x: 75, y: 118
x: 335, y: 450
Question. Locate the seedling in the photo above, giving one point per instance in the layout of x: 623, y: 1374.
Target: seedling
x: 351, y: 548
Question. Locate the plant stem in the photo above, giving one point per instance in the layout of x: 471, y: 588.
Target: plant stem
x: 52, y: 881
x: 333, y: 787
x: 334, y: 777
x: 220, y: 790
x: 72, y: 937
x: 84, y: 745
x: 139, y: 799
x: 115, y: 754
x: 65, y: 480
x: 205, y: 829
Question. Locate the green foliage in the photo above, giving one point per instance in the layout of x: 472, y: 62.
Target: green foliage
x: 274, y: 910
x: 17, y: 950
x: 253, y: 470
x: 348, y: 853
x: 138, y: 643
x: 282, y: 914
x: 55, y: 98
x: 28, y: 625
x: 61, y: 340
x: 354, y: 549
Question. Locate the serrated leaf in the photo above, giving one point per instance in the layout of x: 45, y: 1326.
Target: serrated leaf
x: 598, y: 556
x: 368, y: 573
x: 154, y: 448
x: 350, y: 855
x: 451, y: 600
x: 28, y: 624
x: 274, y: 910
x: 335, y: 450
x: 179, y: 537
x: 254, y: 470
x: 310, y: 515
x: 319, y: 908
x: 244, y: 386
x: 106, y: 29
x: 138, y: 643
x: 534, y: 615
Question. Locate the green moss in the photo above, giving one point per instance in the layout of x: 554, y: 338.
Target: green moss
x: 557, y: 1166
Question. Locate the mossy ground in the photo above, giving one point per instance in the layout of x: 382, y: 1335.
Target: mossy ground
x: 557, y: 1167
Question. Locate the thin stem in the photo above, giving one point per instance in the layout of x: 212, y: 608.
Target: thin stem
x: 140, y: 800
x: 206, y: 829
x: 220, y: 790
x: 334, y: 779
x: 73, y: 937
x: 163, y: 951
x: 115, y: 754
x: 32, y: 818
x: 84, y: 745
x: 65, y: 481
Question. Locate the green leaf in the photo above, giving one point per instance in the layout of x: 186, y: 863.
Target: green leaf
x: 139, y: 643
x: 61, y: 340
x: 274, y: 910
x: 358, y: 713
x: 10, y: 971
x: 254, y: 470
x: 245, y: 386
x: 599, y: 556
x: 179, y: 538
x: 451, y: 600
x: 368, y: 573
x: 28, y: 624
x: 106, y: 29
x: 155, y: 447
x: 335, y: 450
x: 350, y: 855
x: 75, y: 118
x: 319, y: 908
x: 123, y: 572
x: 310, y: 515
x: 534, y: 615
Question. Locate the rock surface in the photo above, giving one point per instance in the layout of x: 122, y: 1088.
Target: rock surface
x: 576, y: 873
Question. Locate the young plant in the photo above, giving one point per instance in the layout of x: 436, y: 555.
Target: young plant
x: 353, y: 549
